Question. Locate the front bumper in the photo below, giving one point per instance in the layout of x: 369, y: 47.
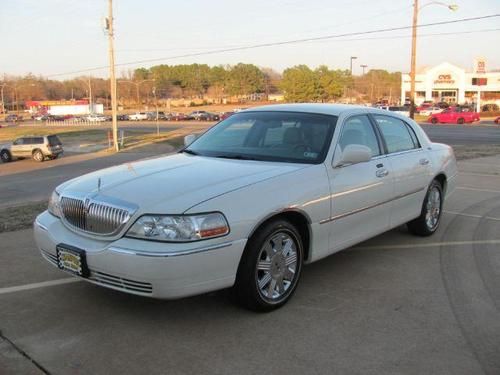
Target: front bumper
x: 147, y: 268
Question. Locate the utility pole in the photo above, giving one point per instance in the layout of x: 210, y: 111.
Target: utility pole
x: 91, y: 107
x: 413, y: 59
x: 112, y: 78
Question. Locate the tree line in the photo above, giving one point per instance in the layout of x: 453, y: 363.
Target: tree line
x: 298, y: 84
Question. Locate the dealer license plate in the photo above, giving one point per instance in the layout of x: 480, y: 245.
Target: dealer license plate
x: 72, y: 260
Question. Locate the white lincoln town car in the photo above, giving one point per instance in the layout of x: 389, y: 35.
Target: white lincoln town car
x: 247, y: 203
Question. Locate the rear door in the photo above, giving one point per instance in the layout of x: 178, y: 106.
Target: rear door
x: 360, y: 193
x: 410, y: 165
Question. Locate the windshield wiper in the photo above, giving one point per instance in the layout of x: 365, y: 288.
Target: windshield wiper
x: 236, y: 157
x: 190, y: 152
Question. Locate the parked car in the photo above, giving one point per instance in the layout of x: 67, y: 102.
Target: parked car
x: 96, y: 118
x: 497, y: 120
x: 122, y: 117
x: 454, y: 115
x: 260, y: 194
x: 196, y: 114
x: 225, y: 115
x: 179, y: 116
x: 138, y: 116
x: 425, y: 105
x: 13, y: 118
x: 208, y: 116
x: 37, y: 147
x: 430, y: 111
x: 405, y: 111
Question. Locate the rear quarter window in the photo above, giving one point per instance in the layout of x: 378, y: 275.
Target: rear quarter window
x: 54, y: 140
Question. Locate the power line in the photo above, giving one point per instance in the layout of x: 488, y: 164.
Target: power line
x: 281, y: 43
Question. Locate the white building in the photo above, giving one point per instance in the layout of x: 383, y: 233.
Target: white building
x: 449, y: 83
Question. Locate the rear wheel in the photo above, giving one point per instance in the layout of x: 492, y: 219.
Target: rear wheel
x: 434, y: 120
x: 460, y: 121
x: 430, y: 216
x: 5, y: 156
x: 38, y: 156
x: 270, y: 267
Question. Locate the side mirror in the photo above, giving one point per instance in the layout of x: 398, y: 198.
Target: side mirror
x: 188, y: 139
x: 354, y: 154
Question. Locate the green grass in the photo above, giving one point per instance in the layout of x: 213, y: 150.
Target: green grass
x: 20, y: 217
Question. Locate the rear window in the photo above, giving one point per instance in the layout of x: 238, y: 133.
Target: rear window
x: 54, y: 140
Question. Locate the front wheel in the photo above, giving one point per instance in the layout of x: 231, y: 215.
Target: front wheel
x: 270, y: 267
x: 430, y: 216
x: 434, y: 120
x: 5, y: 156
x: 460, y: 121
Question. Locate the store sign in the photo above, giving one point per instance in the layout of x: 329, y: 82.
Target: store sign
x: 444, y: 79
x: 479, y: 66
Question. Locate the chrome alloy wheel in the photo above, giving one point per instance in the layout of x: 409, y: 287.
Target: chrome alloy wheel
x: 38, y: 156
x: 433, y: 208
x: 276, y: 270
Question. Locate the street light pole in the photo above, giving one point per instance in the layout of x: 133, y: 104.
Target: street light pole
x: 156, y: 104
x: 352, y: 58
x: 364, y: 66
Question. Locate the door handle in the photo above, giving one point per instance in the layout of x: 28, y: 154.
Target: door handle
x: 424, y: 161
x: 382, y: 172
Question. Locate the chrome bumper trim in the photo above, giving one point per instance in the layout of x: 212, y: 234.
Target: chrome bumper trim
x: 41, y: 226
x: 167, y: 254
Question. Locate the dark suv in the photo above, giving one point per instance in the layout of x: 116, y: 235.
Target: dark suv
x: 37, y: 147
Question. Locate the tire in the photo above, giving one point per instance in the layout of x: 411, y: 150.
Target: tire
x: 270, y: 267
x: 38, y: 156
x: 460, y: 121
x: 5, y: 156
x: 434, y: 120
x: 430, y: 217
x: 54, y: 157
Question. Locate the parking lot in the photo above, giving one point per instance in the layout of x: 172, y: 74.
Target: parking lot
x: 395, y: 304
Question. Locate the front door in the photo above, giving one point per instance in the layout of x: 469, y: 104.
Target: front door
x: 360, y: 193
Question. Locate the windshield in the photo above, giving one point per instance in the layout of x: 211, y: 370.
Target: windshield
x: 269, y: 136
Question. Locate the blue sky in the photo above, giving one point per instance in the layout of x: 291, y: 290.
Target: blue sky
x: 57, y: 36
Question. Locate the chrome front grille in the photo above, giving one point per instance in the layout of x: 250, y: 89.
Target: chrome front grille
x: 93, y: 217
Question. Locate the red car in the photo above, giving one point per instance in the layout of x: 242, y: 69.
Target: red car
x: 454, y: 115
x: 225, y: 115
x: 497, y: 120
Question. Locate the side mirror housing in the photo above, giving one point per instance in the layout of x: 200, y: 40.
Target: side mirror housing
x: 188, y: 139
x: 354, y: 154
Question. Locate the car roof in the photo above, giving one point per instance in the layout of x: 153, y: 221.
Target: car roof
x: 322, y: 108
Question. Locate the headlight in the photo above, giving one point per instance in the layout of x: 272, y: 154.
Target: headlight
x: 179, y: 228
x: 54, y: 204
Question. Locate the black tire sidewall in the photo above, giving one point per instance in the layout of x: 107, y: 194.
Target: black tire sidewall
x: 8, y: 156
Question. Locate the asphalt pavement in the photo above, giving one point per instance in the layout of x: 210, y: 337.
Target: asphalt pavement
x: 396, y: 304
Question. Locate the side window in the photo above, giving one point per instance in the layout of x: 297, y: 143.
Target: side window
x: 18, y: 142
x: 359, y: 130
x: 396, y: 134
x: 38, y: 140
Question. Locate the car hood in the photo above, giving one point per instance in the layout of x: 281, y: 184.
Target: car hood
x: 174, y: 183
